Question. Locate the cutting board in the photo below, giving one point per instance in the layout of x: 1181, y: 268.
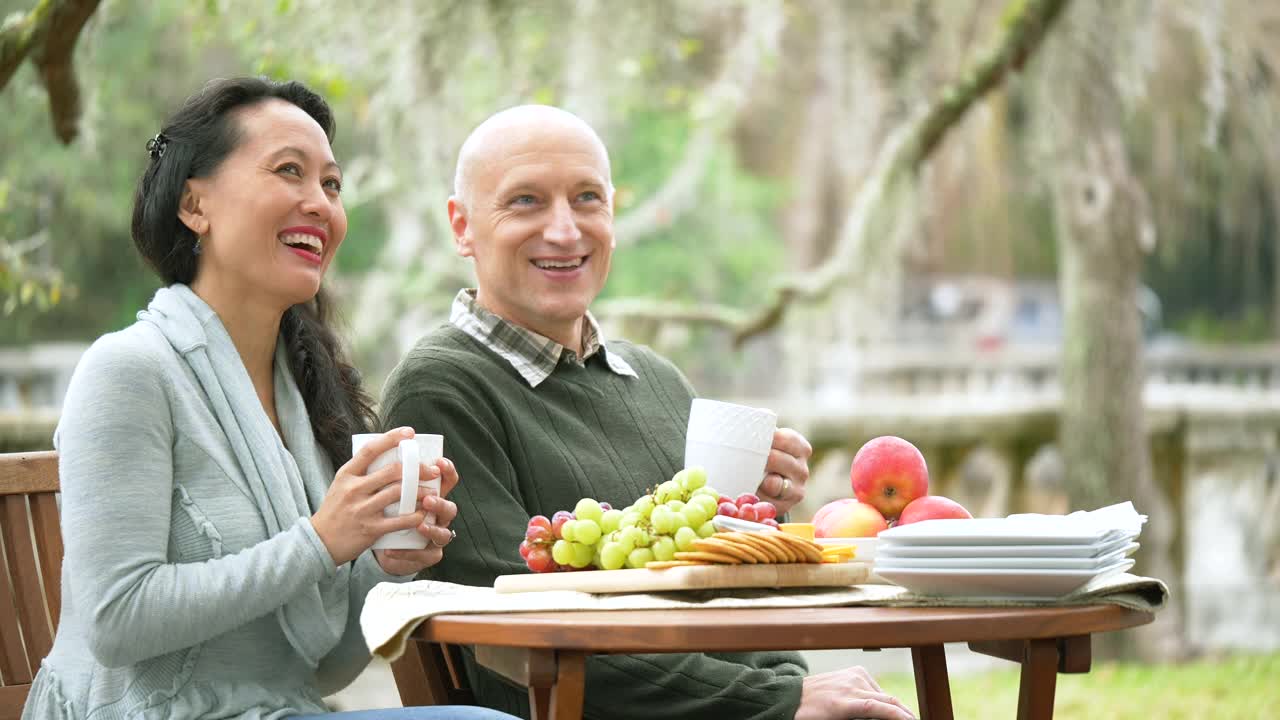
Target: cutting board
x: 690, y: 577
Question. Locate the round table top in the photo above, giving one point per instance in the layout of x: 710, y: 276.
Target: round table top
x: 773, y: 628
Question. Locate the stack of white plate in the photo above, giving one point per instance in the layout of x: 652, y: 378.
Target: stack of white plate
x: 1019, y: 557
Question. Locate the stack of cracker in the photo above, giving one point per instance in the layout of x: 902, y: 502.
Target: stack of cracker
x: 746, y: 548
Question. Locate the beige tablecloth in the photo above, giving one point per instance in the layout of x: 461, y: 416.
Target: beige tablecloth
x: 392, y: 611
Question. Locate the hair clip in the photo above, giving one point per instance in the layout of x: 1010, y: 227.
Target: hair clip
x: 156, y: 145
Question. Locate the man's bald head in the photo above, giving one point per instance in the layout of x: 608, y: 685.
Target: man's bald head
x: 502, y: 132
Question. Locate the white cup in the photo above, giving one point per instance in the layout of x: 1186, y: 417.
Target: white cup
x: 731, y: 442
x: 411, y: 453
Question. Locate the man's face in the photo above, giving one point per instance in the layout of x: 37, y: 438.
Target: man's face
x: 539, y: 223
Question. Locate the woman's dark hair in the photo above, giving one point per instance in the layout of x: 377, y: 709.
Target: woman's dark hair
x: 193, y: 143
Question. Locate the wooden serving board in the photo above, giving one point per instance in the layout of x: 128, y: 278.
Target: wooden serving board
x: 690, y: 577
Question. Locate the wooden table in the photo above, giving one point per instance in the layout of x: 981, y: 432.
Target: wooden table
x: 546, y: 652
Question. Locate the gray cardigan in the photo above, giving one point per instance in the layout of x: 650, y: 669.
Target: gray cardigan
x: 194, y: 584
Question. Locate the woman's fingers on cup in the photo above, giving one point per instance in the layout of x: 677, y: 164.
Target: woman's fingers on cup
x: 448, y: 475
x: 436, y: 535
x: 445, y: 510
x: 359, y: 462
x: 384, y: 525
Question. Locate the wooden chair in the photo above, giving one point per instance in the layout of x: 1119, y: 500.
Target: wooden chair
x: 432, y: 674
x: 31, y: 598
x: 30, y: 571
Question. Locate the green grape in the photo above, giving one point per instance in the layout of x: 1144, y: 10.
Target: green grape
x: 706, y: 529
x: 682, y: 479
x: 626, y: 542
x: 675, y: 505
x: 580, y: 555
x: 613, y: 555
x: 680, y: 521
x: 644, y: 505
x: 664, y: 548
x: 667, y: 491
x: 685, y: 537
x: 639, y: 557
x: 706, y: 490
x: 610, y: 520
x: 629, y: 519
x: 663, y: 520
x: 692, y: 512
x: 587, y: 509
x: 708, y: 503
x: 568, y: 530
x: 586, y: 532
x: 695, y: 478
x: 637, y: 537
x: 561, y: 552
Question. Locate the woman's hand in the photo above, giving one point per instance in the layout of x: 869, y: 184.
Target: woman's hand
x: 350, y: 518
x: 410, y: 562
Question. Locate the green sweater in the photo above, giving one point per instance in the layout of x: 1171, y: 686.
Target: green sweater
x: 583, y: 432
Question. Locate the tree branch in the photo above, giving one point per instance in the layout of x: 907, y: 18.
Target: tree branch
x: 48, y: 34
x: 1025, y: 24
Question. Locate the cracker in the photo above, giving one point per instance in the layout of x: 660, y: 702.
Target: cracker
x: 762, y: 546
x: 711, y: 557
x: 810, y: 551
x: 719, y: 545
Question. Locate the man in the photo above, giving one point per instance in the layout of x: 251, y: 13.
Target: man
x: 539, y: 411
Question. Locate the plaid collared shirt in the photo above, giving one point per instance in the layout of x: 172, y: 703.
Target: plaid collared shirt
x: 532, y: 355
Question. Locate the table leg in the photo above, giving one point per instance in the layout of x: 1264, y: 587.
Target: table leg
x: 1039, y: 678
x: 933, y: 689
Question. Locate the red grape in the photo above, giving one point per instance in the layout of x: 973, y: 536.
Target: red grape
x: 726, y: 499
x: 541, y: 521
x: 558, y: 520
x: 765, y: 510
x: 746, y: 499
x: 540, y: 561
x: 539, y: 534
x: 748, y: 512
x: 728, y: 509
x: 606, y: 507
x: 770, y: 522
x: 525, y: 547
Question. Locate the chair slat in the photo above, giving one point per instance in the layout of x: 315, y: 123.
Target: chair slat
x: 44, y: 516
x: 26, y: 580
x: 11, y: 701
x: 13, y: 656
x: 31, y: 472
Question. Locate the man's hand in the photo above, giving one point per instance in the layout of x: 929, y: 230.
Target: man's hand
x: 787, y: 470
x: 848, y: 693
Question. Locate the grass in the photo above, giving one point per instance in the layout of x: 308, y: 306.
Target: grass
x: 1242, y: 687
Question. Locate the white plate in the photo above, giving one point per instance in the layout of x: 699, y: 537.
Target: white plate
x: 1023, y: 563
x: 889, y: 549
x: 990, y: 584
x: 999, y: 531
x: 866, y: 546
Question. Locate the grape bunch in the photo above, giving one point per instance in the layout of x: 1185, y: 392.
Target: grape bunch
x: 654, y: 527
x: 748, y: 507
x: 544, y: 535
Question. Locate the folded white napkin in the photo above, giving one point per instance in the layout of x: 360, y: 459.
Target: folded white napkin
x: 1121, y: 516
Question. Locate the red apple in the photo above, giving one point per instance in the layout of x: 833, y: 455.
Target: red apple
x: 888, y: 473
x: 932, y: 507
x: 851, y: 519
x: 825, y: 509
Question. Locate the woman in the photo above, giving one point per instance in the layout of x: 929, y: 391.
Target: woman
x: 215, y: 563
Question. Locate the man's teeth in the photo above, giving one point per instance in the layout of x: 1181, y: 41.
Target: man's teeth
x: 303, y: 240
x: 558, y: 264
